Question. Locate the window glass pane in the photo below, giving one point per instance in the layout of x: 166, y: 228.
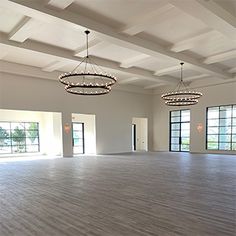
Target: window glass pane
x: 17, y: 126
x: 212, y: 146
x: 174, y: 147
x: 77, y: 134
x: 234, y: 130
x: 213, y: 122
x: 18, y: 149
x: 234, y: 146
x: 225, y: 138
x: 77, y: 126
x: 234, y: 121
x: 19, y: 137
x: 175, y: 119
x: 224, y: 146
x: 213, y: 113
x: 234, y: 111
x: 5, y: 125
x: 32, y: 148
x: 175, y: 140
x: 185, y: 126
x: 185, y: 133
x: 212, y: 130
x: 185, y: 118
x: 185, y: 115
x: 225, y: 114
x: 234, y: 138
x: 185, y: 141
x: 185, y: 148
x: 226, y: 108
x: 212, y: 138
x: 225, y: 122
x: 175, y: 126
x: 175, y: 133
x: 225, y: 130
x: 5, y: 149
x: 32, y: 141
x: 175, y: 113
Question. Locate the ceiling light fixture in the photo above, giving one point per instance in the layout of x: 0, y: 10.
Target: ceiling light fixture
x: 181, y: 95
x: 87, y: 78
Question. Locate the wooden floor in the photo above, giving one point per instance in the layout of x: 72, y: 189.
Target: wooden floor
x: 141, y: 194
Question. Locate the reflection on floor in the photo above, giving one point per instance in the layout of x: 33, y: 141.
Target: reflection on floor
x: 137, y: 194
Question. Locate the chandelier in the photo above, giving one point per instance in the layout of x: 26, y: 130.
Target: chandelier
x: 181, y: 95
x: 87, y: 78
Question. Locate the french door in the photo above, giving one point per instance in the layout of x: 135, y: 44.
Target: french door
x: 78, y: 138
x: 179, y: 130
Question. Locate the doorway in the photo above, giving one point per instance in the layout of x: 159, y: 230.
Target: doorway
x: 139, y: 134
x: 78, y: 137
x: 133, y: 137
x: 180, y: 131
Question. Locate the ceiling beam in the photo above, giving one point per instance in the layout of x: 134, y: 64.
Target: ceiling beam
x: 94, y: 44
x: 134, y: 60
x: 190, y: 42
x: 129, y: 80
x: 159, y: 14
x: 19, y: 69
x: 220, y: 57
x: 210, y: 13
x: 34, y: 9
x: 194, y: 77
x: 60, y: 54
x: 61, y: 4
x: 171, y: 69
x: 55, y: 65
x: 24, y: 29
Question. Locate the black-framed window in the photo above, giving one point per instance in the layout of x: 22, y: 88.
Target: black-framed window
x: 19, y: 137
x: 180, y: 130
x: 221, y: 128
x: 78, y: 137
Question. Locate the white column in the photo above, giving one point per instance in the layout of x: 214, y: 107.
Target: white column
x: 67, y: 135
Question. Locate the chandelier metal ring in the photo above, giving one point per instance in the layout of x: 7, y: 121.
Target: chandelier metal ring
x: 87, y: 90
x: 181, y: 95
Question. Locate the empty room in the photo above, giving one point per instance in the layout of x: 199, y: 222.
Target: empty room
x: 118, y: 117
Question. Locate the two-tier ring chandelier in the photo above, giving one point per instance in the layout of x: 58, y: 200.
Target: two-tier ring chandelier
x: 87, y: 78
x: 181, y: 95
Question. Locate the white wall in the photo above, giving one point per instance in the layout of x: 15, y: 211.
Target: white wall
x: 49, y: 128
x: 141, y: 133
x: 113, y: 111
x: 212, y: 96
x: 89, y: 131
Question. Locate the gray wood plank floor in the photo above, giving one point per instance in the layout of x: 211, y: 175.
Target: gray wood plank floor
x: 162, y: 194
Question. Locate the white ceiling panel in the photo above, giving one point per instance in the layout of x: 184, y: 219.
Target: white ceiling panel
x: 9, y: 19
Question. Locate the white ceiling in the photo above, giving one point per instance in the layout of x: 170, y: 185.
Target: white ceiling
x: 142, y: 42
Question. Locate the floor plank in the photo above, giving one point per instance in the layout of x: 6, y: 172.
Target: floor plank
x: 138, y: 194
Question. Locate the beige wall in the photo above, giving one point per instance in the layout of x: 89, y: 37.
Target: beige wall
x: 113, y: 112
x: 215, y: 95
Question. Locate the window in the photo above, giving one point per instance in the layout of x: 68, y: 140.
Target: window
x: 179, y: 130
x: 78, y: 138
x: 221, y: 128
x: 19, y: 137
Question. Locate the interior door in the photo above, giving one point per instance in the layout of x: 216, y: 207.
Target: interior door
x: 78, y: 138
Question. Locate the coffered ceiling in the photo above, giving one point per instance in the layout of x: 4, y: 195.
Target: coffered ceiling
x: 142, y: 42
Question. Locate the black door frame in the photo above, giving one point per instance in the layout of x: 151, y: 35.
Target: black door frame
x: 180, y: 136
x: 134, y: 137
x: 82, y: 136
